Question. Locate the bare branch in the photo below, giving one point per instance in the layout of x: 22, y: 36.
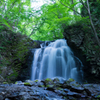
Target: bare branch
x: 83, y: 4
x: 69, y: 7
x: 36, y: 29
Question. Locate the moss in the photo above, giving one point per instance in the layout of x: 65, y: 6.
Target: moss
x: 71, y: 80
x: 65, y: 98
x: 85, y: 82
x: 59, y: 88
x: 76, y: 85
x: 98, y: 96
x: 27, y: 84
x: 16, y: 82
x: 48, y: 80
x: 47, y: 85
x: 56, y: 80
x: 12, y: 76
x: 50, y: 86
x: 5, y: 82
x: 36, y: 81
x: 41, y: 86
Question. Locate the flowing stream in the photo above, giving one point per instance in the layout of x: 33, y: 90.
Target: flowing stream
x: 56, y: 60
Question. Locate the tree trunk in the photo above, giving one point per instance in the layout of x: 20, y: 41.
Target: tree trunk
x: 92, y: 25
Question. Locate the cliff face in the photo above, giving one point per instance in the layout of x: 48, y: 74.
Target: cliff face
x: 14, y: 53
x: 81, y: 39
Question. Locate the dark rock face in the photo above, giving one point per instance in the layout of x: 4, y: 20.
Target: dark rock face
x: 15, y: 51
x: 67, y: 90
x: 82, y: 42
x: 16, y: 56
x: 25, y: 72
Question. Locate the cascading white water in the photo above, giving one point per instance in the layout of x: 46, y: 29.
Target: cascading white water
x: 55, y: 60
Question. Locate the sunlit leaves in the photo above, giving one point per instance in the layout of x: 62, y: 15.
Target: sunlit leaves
x: 48, y: 23
x: 54, y: 18
x: 14, y: 12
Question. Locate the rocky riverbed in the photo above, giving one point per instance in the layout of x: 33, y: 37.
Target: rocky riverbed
x: 49, y: 90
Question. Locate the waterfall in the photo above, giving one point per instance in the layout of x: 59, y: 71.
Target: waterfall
x: 56, y: 60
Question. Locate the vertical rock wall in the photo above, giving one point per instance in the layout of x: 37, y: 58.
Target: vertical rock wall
x: 81, y: 39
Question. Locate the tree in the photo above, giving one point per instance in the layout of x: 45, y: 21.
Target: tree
x: 91, y: 21
x: 54, y: 18
x: 15, y: 14
x: 89, y: 14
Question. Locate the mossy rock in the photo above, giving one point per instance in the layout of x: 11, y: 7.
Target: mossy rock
x: 48, y: 80
x: 36, y: 81
x: 76, y: 85
x: 51, y: 86
x: 5, y: 82
x: 59, y: 88
x: 41, y: 86
x: 56, y: 80
x: 98, y: 96
x: 27, y: 84
x: 16, y: 82
x: 85, y: 82
x: 71, y: 80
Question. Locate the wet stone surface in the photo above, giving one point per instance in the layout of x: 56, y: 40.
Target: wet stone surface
x: 49, y: 90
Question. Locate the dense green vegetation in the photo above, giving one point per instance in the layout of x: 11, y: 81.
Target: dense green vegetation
x: 54, y: 18
x: 47, y: 23
x: 15, y: 15
x: 19, y: 23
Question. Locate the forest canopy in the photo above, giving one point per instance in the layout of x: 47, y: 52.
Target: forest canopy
x: 46, y: 23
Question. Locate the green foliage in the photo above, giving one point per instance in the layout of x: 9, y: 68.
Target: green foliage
x: 17, y: 18
x: 47, y: 23
x: 54, y: 18
x: 27, y: 84
x: 15, y: 14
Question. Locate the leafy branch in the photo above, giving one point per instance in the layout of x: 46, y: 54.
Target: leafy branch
x: 69, y: 7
